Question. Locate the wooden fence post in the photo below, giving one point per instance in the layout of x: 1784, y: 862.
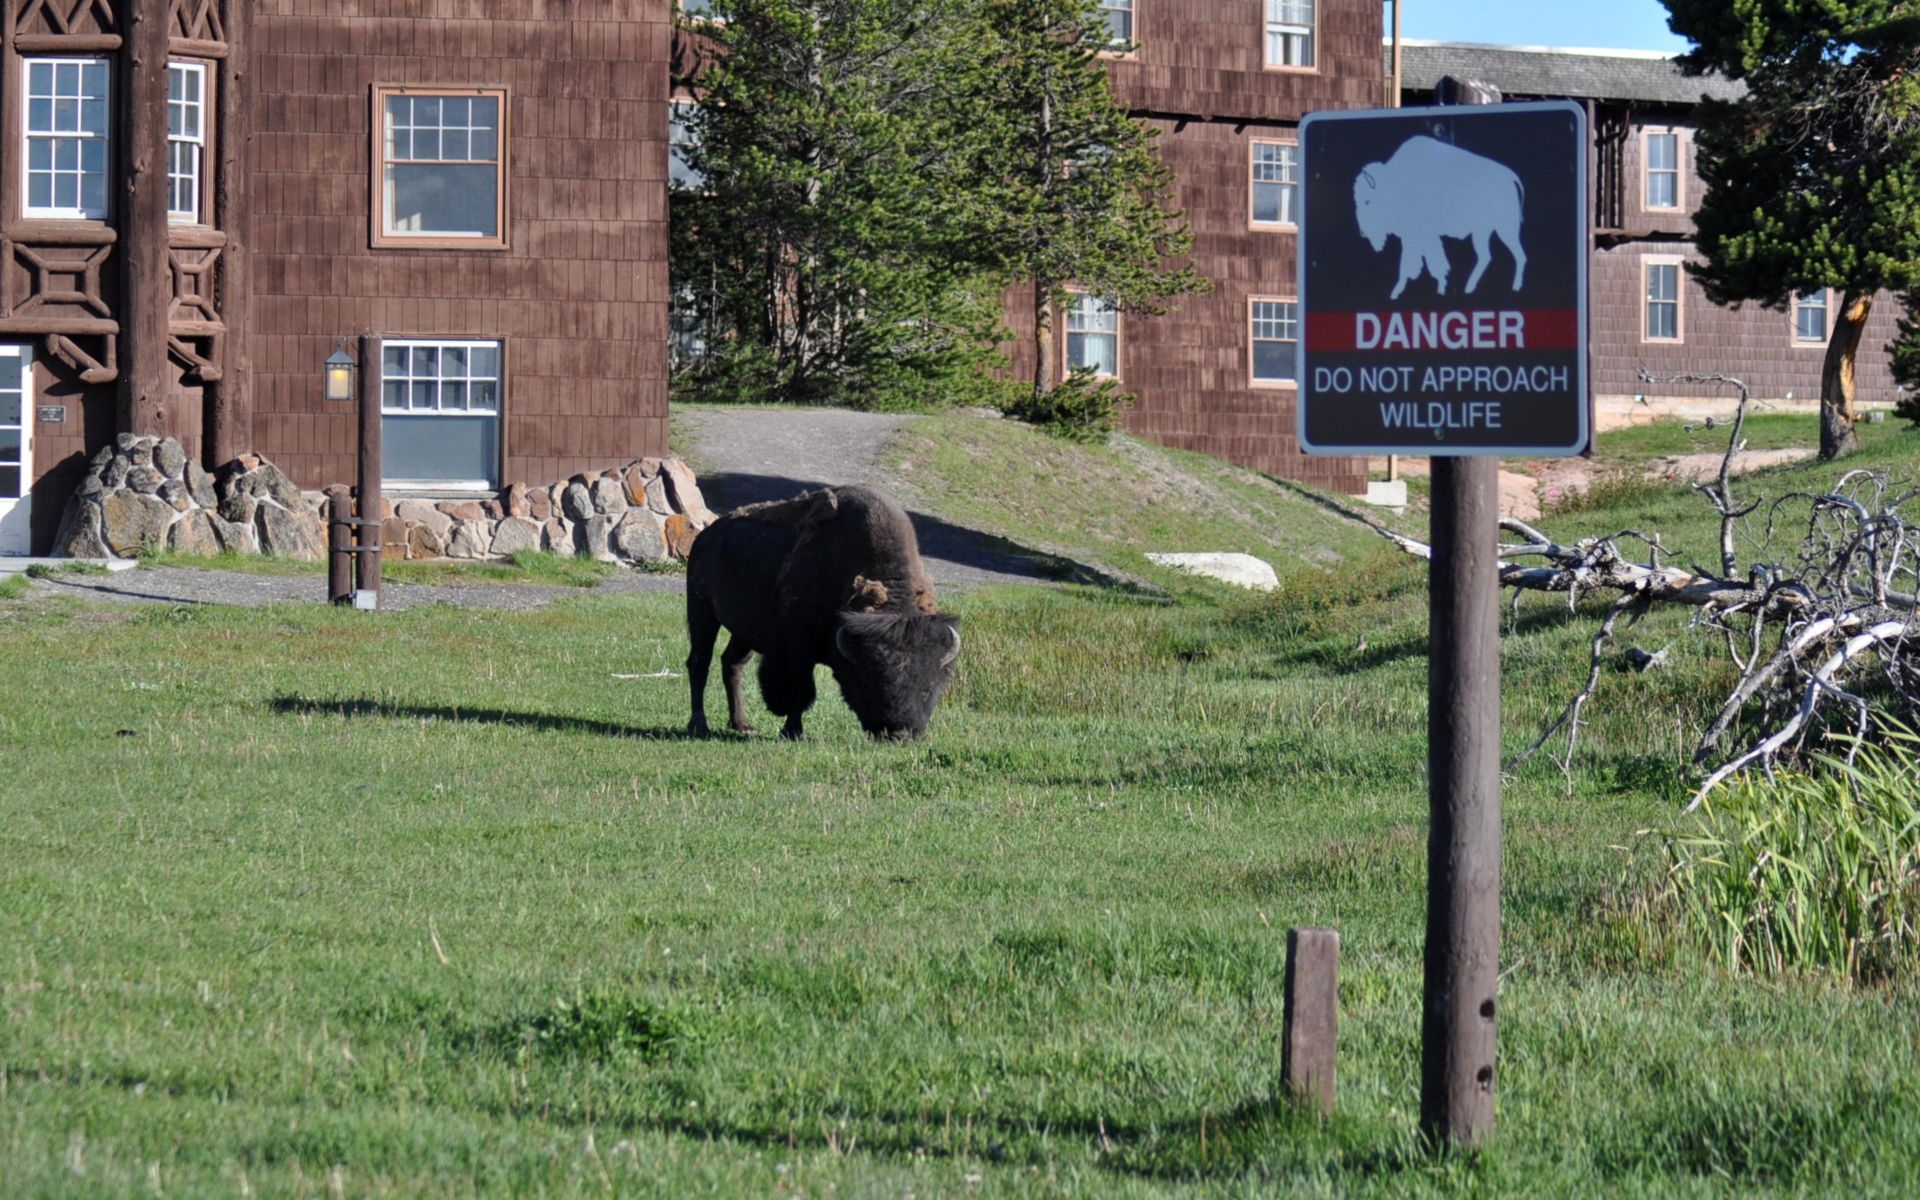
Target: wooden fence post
x: 1307, y: 1048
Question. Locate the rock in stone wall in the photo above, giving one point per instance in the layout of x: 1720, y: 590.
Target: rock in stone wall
x: 646, y: 511
x: 145, y: 494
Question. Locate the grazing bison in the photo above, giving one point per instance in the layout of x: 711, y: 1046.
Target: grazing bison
x: 833, y: 577
x: 1429, y: 190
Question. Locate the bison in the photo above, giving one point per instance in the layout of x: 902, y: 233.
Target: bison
x: 833, y: 577
x: 1429, y: 190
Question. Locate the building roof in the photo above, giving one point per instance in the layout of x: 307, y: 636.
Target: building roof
x: 1645, y: 76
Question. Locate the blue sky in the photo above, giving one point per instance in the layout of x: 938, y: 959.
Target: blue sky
x: 1597, y: 25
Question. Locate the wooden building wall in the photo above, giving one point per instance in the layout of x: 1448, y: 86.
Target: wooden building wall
x: 578, y: 296
x: 1196, y: 76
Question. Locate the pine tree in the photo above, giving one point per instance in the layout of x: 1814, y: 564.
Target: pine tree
x: 1069, y: 186
x: 817, y: 255
x: 1813, y: 178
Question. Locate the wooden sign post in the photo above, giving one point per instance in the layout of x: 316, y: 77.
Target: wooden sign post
x: 1464, y: 342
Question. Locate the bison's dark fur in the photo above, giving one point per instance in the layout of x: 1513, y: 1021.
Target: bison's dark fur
x: 833, y: 577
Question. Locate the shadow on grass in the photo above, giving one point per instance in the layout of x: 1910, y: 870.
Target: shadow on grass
x: 954, y: 553
x: 545, y: 722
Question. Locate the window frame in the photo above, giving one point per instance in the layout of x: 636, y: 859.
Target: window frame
x: 379, y: 237
x: 1119, y: 47
x: 696, y: 181
x: 1068, y: 313
x: 1826, y: 318
x: 1254, y: 182
x: 1678, y: 170
x: 27, y: 135
x: 498, y: 412
x: 1647, y: 266
x: 198, y: 214
x: 1254, y: 378
x: 1271, y: 25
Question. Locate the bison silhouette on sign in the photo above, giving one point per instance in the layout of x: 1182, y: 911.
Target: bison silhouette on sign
x: 1429, y: 190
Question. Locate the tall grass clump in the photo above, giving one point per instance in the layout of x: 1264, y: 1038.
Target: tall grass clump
x: 1809, y: 872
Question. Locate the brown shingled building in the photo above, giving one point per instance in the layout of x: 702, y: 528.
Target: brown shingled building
x: 203, y: 198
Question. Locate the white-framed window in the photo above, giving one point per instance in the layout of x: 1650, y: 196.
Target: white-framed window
x: 1119, y: 18
x: 66, y: 129
x: 679, y: 138
x: 440, y: 166
x: 1810, y: 317
x: 186, y: 140
x: 440, y: 412
x: 1275, y: 183
x: 1290, y: 33
x: 1274, y: 340
x: 1663, y: 169
x: 1661, y: 316
x: 1093, y: 336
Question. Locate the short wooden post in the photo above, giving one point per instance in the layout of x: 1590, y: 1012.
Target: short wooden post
x: 1307, y: 1048
x: 339, y: 545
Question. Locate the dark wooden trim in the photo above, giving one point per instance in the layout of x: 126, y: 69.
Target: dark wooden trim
x: 196, y: 48
x: 228, y: 416
x: 67, y: 43
x: 146, y: 292
x: 37, y: 326
x: 62, y: 233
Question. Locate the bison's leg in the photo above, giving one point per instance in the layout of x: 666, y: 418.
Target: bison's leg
x: 702, y: 628
x: 787, y: 687
x: 1482, y: 257
x: 1511, y: 236
x: 733, y: 665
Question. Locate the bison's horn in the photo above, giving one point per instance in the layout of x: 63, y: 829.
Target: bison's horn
x: 839, y: 642
x: 954, y: 653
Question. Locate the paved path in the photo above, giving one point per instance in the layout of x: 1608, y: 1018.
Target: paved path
x: 745, y: 455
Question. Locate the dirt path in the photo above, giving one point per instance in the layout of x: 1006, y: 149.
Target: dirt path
x: 745, y: 455
x: 1530, y: 485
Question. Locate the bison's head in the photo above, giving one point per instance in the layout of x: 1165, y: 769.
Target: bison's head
x: 892, y: 668
x: 1367, y: 212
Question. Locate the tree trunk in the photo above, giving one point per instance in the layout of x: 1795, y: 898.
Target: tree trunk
x: 1042, y: 337
x: 1836, y: 376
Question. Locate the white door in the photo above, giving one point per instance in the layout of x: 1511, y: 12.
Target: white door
x: 16, y: 447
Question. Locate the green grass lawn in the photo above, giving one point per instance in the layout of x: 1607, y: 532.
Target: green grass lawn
x: 296, y: 901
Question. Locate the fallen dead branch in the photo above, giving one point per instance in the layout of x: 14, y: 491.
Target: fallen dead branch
x: 1829, y: 630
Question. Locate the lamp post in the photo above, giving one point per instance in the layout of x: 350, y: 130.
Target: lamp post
x: 353, y: 570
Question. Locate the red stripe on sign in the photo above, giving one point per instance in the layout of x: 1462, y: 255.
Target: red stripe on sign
x: 1445, y: 330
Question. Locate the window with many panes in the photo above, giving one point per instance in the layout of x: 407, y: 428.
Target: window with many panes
x: 1276, y: 181
x: 65, y: 134
x: 1093, y: 335
x: 1810, y: 317
x: 680, y: 138
x: 1119, y: 18
x: 1290, y: 33
x: 1275, y: 330
x: 186, y: 140
x: 1663, y: 169
x: 440, y: 159
x: 440, y: 412
x: 1663, y: 300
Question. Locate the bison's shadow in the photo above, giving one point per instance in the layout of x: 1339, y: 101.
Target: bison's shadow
x: 545, y: 722
x: 953, y: 553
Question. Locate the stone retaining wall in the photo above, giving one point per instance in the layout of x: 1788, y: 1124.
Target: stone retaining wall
x: 144, y: 494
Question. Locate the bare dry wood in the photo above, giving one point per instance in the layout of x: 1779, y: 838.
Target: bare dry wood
x: 1829, y: 630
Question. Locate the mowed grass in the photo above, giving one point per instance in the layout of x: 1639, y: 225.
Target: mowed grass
x: 297, y: 901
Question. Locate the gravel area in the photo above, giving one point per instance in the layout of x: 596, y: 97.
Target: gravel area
x: 193, y: 585
x: 742, y: 455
